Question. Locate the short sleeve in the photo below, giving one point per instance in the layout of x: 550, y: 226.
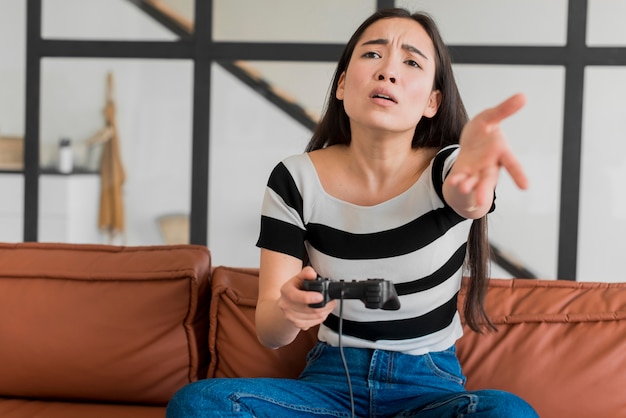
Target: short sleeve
x: 442, y: 164
x: 282, y: 227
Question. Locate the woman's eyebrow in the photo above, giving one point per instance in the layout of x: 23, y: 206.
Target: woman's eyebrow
x: 414, y: 50
x: 406, y: 47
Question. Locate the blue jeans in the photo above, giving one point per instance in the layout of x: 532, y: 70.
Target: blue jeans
x: 384, y: 384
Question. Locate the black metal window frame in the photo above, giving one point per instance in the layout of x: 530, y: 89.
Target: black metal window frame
x: 203, y: 51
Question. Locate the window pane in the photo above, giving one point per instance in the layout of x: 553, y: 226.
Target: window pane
x: 152, y: 111
x: 249, y: 136
x: 602, y: 223
x: 525, y: 223
x: 605, y: 23
x: 12, y: 67
x: 285, y: 79
x: 320, y: 21
x: 496, y: 22
x: 99, y: 19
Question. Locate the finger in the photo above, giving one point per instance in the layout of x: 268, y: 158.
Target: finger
x: 515, y: 170
x: 468, y: 184
x: 505, y: 109
x: 313, y: 297
x: 483, y: 192
x: 456, y: 178
x: 308, y: 273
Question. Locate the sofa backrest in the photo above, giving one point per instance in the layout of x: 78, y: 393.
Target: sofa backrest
x: 102, y: 323
x: 561, y: 345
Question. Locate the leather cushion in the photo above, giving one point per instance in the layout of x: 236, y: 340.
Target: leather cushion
x: 233, y: 344
x: 102, y: 323
x: 22, y: 408
x: 561, y: 346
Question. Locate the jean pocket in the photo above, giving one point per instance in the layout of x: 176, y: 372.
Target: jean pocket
x: 445, y: 364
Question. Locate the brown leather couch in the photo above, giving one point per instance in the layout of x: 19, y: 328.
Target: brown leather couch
x: 103, y: 331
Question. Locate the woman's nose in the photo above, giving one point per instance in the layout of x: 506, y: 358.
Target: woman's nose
x: 381, y: 77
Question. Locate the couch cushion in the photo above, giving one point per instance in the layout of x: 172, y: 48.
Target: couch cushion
x: 22, y: 408
x: 561, y: 346
x: 233, y: 344
x: 102, y: 323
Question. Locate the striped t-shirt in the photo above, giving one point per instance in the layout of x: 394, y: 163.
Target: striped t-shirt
x: 414, y: 240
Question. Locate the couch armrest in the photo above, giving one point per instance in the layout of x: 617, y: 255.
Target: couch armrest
x: 102, y: 323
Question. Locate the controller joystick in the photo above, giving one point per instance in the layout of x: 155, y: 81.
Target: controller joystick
x: 374, y: 293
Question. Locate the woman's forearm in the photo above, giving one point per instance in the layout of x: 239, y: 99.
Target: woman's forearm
x: 273, y: 329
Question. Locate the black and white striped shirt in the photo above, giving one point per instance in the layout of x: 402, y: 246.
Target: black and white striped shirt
x: 414, y: 240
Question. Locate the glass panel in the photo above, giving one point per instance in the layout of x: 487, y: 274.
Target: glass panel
x: 100, y: 19
x: 285, y: 79
x: 602, y: 222
x: 249, y: 136
x: 12, y: 79
x: 495, y: 22
x: 605, y: 23
x: 11, y: 207
x: 152, y: 110
x: 320, y: 21
x: 525, y: 223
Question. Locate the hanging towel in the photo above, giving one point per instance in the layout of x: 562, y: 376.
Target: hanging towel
x: 112, y: 174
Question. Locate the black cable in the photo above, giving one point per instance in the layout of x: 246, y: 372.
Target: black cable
x: 343, y: 358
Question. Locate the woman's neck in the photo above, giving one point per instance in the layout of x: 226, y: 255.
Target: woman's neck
x: 368, y: 177
x: 386, y: 158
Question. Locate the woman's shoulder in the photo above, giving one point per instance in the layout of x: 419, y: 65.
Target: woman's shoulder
x: 296, y: 168
x: 332, y: 151
x: 297, y: 163
x: 327, y: 158
x: 448, y: 149
x: 444, y: 158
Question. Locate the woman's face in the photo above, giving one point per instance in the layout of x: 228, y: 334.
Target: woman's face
x: 388, y: 84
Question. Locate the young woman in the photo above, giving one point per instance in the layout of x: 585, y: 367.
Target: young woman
x: 395, y: 184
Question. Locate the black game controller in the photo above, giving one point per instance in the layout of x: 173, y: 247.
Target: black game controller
x: 374, y: 293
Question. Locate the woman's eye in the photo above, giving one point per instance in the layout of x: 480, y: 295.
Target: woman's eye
x: 413, y: 63
x: 371, y: 54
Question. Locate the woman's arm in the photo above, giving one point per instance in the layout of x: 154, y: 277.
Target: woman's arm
x: 283, y: 307
x: 469, y: 187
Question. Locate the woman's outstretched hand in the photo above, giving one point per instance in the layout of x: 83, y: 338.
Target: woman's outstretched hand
x: 484, y: 150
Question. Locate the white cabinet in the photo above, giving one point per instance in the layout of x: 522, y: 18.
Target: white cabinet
x: 68, y: 208
x: 11, y: 207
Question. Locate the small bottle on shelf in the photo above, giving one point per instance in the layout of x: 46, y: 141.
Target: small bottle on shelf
x: 66, y: 157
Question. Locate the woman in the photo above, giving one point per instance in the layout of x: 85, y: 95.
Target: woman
x: 383, y: 191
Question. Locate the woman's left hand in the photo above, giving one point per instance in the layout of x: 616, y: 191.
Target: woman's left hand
x: 484, y: 150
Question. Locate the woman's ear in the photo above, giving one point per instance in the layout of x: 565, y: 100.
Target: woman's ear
x: 340, y: 86
x: 433, y: 104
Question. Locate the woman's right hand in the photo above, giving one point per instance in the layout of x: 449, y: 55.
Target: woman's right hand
x: 294, y: 302
x: 282, y: 309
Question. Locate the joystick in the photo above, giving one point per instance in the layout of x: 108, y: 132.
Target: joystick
x: 374, y: 293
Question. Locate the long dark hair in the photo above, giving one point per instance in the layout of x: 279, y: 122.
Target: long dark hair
x: 443, y: 129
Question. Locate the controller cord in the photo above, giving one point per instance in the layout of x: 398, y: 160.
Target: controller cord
x: 343, y: 358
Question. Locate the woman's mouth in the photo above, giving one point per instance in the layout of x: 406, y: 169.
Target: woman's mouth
x: 383, y: 96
